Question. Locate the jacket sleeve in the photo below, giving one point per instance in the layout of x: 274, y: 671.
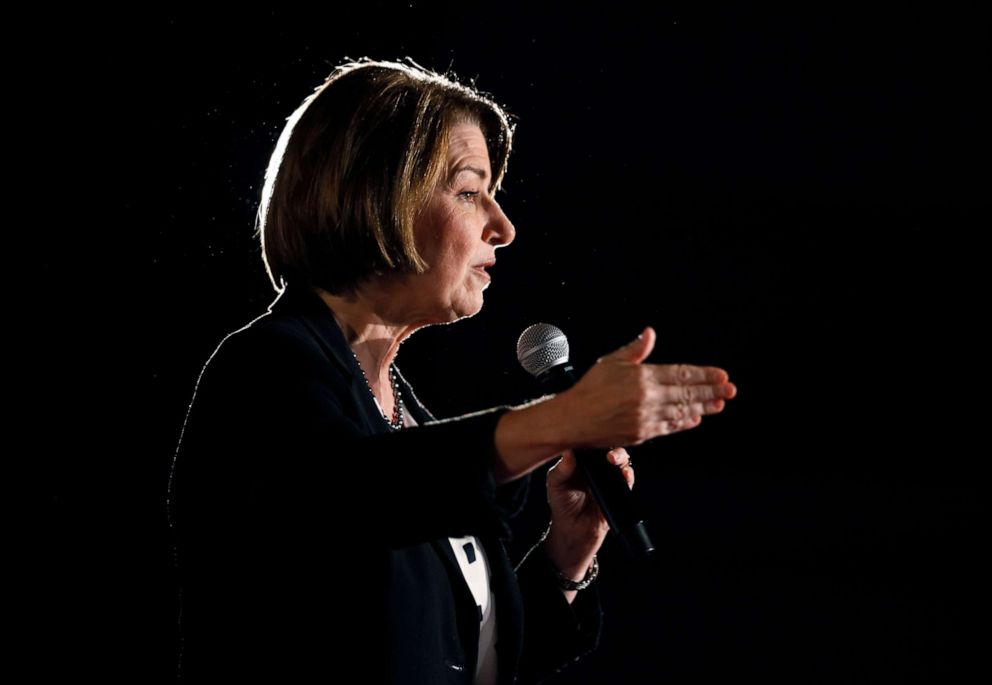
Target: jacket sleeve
x: 556, y: 633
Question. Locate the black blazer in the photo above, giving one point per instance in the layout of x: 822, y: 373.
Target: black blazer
x: 312, y: 542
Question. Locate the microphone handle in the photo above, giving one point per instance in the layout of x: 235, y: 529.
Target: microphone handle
x: 616, y: 500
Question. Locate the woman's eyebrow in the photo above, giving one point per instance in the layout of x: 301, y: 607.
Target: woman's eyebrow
x: 480, y: 172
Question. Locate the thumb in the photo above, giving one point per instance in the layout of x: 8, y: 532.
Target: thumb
x: 638, y: 349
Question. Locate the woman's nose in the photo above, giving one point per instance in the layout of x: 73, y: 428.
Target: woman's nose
x: 500, y: 229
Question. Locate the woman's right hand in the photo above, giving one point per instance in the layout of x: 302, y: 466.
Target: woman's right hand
x: 622, y: 401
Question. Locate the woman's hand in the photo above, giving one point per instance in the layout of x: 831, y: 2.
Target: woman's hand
x: 578, y: 527
x: 619, y: 401
x: 622, y: 401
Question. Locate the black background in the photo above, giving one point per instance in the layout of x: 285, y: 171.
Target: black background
x: 797, y: 198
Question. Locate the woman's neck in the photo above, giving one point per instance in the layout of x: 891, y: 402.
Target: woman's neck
x: 371, y: 330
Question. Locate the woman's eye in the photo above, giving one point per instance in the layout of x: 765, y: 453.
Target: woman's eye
x: 469, y: 194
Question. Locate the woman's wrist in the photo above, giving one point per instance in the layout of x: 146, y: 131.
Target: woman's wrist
x: 572, y: 577
x: 528, y: 435
x: 571, y: 564
x: 567, y: 583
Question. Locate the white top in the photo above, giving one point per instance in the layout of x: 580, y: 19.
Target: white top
x: 475, y: 568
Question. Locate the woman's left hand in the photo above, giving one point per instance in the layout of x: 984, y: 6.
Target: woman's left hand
x: 578, y: 527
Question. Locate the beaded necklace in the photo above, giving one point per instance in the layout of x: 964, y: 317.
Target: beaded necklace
x: 397, y: 422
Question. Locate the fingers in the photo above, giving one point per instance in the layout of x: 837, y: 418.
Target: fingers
x: 662, y: 427
x: 621, y: 458
x: 697, y: 393
x: 672, y: 411
x: 684, y: 400
x: 675, y: 425
x: 618, y: 456
x: 687, y: 374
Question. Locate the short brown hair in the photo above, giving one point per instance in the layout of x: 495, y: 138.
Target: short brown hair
x: 356, y: 162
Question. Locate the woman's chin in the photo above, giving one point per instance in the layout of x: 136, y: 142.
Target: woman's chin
x: 467, y: 310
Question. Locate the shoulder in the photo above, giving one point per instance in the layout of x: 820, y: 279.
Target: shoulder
x: 264, y: 360
x: 270, y: 340
x: 274, y: 367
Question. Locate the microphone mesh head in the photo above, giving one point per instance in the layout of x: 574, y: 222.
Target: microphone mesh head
x: 540, y: 347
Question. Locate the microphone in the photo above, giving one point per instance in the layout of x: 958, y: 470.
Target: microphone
x: 542, y: 350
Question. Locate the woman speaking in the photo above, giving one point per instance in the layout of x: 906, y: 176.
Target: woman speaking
x: 325, y: 522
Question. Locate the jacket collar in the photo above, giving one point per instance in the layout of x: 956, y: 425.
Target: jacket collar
x: 303, y: 302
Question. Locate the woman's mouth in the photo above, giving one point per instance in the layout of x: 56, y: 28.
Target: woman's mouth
x: 481, y: 268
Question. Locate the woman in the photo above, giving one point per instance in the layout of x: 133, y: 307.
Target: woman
x: 326, y: 522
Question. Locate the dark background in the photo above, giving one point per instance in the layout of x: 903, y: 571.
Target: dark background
x: 797, y: 198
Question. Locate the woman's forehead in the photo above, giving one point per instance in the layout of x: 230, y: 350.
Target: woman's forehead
x: 466, y: 143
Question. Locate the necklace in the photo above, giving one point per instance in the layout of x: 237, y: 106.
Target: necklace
x: 397, y: 422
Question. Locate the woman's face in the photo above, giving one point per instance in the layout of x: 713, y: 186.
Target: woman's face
x: 459, y: 231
